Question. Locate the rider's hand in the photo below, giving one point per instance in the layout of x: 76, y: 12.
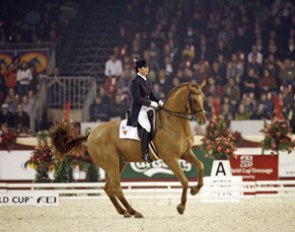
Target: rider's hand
x: 154, y: 105
x: 161, y: 103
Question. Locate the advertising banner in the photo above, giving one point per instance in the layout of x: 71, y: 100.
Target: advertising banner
x: 37, y: 198
x: 159, y: 170
x: 255, y: 167
x: 38, y: 57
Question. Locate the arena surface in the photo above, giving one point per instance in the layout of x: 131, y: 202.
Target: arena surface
x: 276, y: 214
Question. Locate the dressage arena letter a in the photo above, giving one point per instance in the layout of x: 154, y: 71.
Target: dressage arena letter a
x: 221, y: 168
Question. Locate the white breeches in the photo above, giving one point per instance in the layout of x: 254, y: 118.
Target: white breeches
x: 143, y: 119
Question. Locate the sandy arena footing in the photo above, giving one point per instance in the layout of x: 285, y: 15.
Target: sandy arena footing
x: 159, y: 215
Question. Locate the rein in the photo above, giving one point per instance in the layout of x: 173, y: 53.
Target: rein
x: 183, y: 115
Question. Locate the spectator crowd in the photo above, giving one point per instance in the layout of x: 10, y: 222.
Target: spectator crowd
x: 26, y: 22
x: 244, y: 49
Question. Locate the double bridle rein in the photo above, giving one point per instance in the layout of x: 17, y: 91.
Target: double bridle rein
x: 185, y: 115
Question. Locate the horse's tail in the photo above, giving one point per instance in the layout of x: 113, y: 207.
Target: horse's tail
x: 65, y: 138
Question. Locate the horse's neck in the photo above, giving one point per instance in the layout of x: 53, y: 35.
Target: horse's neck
x: 176, y: 103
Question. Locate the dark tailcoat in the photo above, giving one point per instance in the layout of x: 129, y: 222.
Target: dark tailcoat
x: 141, y: 95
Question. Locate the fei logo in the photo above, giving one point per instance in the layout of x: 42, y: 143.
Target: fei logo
x: 246, y: 161
x: 38, y: 198
x: 157, y: 167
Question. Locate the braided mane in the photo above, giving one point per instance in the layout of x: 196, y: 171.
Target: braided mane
x: 180, y: 86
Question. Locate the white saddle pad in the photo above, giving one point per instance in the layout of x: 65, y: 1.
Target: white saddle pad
x: 127, y: 132
x: 130, y: 132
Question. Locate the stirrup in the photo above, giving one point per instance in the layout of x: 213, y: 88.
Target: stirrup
x: 146, y: 158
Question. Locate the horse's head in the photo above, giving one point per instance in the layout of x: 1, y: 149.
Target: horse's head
x: 196, y: 103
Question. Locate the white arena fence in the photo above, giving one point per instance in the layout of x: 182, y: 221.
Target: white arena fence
x: 152, y: 190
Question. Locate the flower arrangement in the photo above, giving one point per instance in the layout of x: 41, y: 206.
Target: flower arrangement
x: 219, y: 142
x: 8, y: 138
x: 277, y: 136
x: 42, y: 159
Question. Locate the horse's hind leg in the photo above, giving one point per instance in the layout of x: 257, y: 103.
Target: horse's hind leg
x: 191, y: 158
x: 173, y: 164
x: 112, y: 197
x: 114, y: 177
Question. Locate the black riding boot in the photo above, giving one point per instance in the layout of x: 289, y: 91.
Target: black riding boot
x: 144, y: 146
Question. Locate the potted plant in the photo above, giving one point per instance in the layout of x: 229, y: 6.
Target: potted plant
x: 277, y: 136
x: 219, y: 144
x: 42, y: 158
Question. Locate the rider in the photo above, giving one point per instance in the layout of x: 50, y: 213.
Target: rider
x: 142, y: 100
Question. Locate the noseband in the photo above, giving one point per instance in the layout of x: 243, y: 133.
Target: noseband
x: 185, y: 115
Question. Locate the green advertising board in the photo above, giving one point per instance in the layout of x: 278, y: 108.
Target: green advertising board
x: 159, y: 170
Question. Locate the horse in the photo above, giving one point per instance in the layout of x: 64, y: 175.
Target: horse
x: 173, y: 140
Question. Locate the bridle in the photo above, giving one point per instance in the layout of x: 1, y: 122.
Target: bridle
x: 185, y: 115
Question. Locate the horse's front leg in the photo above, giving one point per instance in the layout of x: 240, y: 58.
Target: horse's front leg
x: 191, y: 158
x: 173, y: 164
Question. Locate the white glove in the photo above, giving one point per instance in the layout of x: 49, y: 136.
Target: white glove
x: 154, y: 105
x: 161, y: 103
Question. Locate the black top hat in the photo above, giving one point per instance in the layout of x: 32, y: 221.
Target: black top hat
x: 140, y: 63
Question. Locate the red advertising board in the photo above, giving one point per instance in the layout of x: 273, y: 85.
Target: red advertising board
x: 255, y: 167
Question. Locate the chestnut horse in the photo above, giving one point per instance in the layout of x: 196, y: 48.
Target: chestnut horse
x: 173, y: 140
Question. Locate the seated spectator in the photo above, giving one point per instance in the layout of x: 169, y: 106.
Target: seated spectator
x: 12, y: 100
x: 260, y: 113
x: 168, y: 66
x: 250, y: 81
x: 267, y: 82
x: 267, y: 104
x: 287, y: 73
x: 6, y: 117
x: 113, y: 67
x: 249, y: 103
x: 104, y: 97
x: 27, y: 105
x: 10, y: 78
x: 253, y: 64
x: 255, y: 54
x: 175, y: 82
x: 217, y: 75
x: 111, y: 86
x: 24, y: 77
x: 118, y: 108
x: 242, y: 114
x: 157, y: 91
x: 226, y: 112
x: 201, y: 71
x: 124, y: 80
x: 164, y: 82
x: 99, y: 110
x: 235, y: 68
x: 21, y: 120
x: 232, y: 91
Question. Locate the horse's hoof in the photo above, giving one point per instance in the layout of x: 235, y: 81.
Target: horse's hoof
x: 127, y: 214
x: 138, y: 215
x: 180, y: 209
x: 195, y: 190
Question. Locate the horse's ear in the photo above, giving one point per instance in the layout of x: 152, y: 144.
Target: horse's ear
x: 203, y: 84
